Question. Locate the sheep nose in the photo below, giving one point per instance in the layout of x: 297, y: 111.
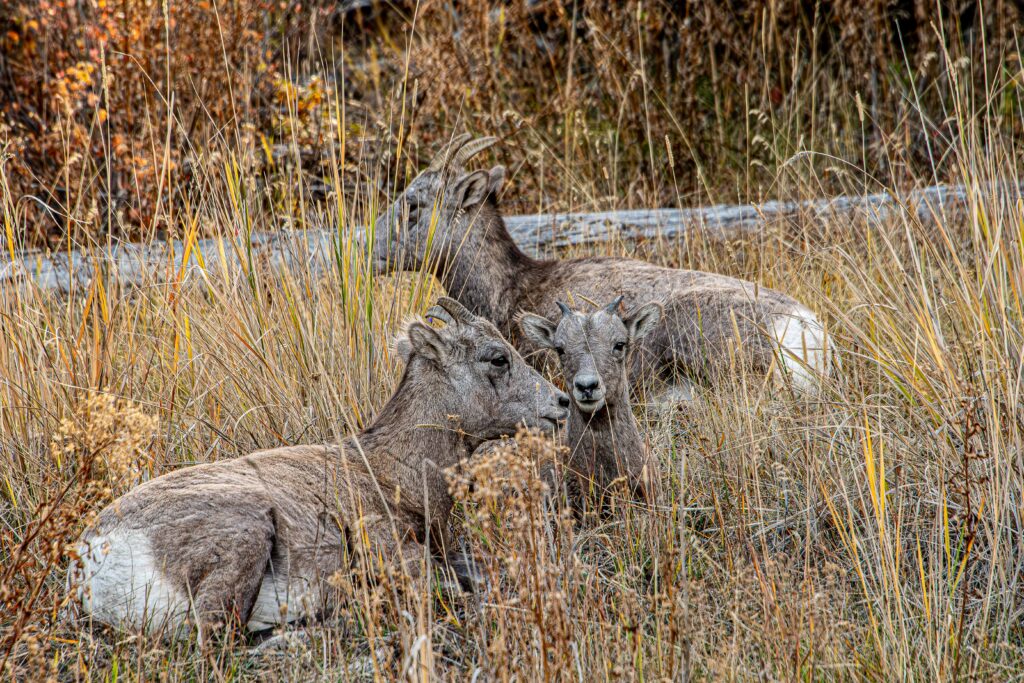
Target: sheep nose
x: 586, y: 385
x: 563, y: 400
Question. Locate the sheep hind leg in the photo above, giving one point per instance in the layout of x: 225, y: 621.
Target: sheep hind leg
x: 231, y: 580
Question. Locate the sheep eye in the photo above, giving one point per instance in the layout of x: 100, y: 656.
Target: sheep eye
x: 619, y: 347
x: 499, y: 361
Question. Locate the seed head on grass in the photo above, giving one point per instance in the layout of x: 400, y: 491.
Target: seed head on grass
x: 98, y: 453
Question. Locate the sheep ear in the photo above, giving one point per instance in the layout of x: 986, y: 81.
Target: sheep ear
x: 495, y: 179
x: 424, y: 341
x: 403, y: 348
x: 538, y: 330
x: 472, y: 189
x: 642, y: 319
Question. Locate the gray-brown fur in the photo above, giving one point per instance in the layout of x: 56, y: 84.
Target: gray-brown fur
x: 594, y: 352
x: 221, y: 533
x: 481, y: 266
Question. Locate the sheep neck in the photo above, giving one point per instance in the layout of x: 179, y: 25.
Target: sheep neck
x: 485, y: 270
x: 412, y: 442
x: 606, y: 442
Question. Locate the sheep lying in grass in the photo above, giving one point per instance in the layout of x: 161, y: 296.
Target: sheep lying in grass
x: 594, y: 350
x: 448, y: 219
x: 253, y: 540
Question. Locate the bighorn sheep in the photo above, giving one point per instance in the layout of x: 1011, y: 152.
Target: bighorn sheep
x: 603, y: 438
x: 254, y: 539
x: 448, y: 218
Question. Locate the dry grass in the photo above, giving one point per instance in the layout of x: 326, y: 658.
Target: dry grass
x: 112, y: 110
x: 872, y: 533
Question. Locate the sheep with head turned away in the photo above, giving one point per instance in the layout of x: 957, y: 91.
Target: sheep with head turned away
x: 254, y: 540
x: 448, y: 220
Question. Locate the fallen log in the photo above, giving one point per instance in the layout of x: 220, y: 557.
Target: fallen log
x: 136, y: 264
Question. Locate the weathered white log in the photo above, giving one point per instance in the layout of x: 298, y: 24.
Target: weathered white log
x: 134, y: 264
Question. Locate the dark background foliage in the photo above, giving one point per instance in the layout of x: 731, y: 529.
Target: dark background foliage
x: 675, y: 103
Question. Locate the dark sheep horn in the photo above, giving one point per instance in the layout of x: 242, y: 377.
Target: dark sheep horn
x: 456, y: 310
x: 613, y: 307
x: 439, y: 313
x: 566, y: 311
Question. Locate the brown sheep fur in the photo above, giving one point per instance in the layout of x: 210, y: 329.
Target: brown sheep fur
x: 456, y: 214
x: 593, y: 350
x: 254, y: 539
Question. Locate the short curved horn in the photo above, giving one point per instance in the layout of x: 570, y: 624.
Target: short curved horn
x: 566, y: 311
x: 471, y: 149
x: 439, y: 313
x: 441, y: 159
x: 456, y: 310
x: 613, y: 307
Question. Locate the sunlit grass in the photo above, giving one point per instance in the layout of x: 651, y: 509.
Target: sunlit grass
x: 871, y: 532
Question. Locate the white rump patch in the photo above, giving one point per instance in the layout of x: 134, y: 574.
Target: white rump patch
x: 121, y: 585
x: 803, y: 347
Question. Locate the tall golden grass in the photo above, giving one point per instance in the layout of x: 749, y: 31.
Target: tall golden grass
x: 873, y: 532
